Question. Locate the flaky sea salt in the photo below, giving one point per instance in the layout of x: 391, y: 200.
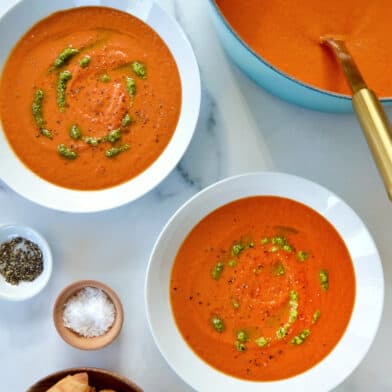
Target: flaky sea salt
x: 89, y: 312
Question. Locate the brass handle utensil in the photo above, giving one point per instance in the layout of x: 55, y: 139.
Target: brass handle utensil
x: 369, y: 111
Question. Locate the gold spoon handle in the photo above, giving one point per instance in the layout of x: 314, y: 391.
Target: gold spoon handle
x: 370, y: 113
x: 375, y: 125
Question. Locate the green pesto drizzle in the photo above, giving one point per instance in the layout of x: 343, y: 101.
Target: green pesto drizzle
x: 264, y: 241
x: 239, y: 246
x: 105, y: 78
x: 262, y: 341
x: 139, y: 69
x: 37, y: 108
x: 302, y: 256
x: 242, y: 336
x: 92, y: 140
x: 131, y: 86
x: 239, y: 346
x: 324, y: 280
x: 300, y: 338
x: 114, y: 135
x: 236, y: 249
x: 279, y: 240
x: 85, y: 61
x: 217, y: 270
x: 75, y: 132
x: 282, y: 331
x: 64, y: 57
x: 218, y: 324
x: 316, y: 316
x: 293, y: 314
x: 63, y: 79
x: 45, y: 132
x: 114, y: 151
x: 37, y: 113
x: 287, y: 248
x: 111, y: 137
x: 66, y: 152
x: 126, y: 121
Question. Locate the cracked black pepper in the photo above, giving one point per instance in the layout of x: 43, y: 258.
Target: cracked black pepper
x: 20, y: 260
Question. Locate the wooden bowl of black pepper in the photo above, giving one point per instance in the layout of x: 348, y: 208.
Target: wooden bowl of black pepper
x: 100, y: 379
x: 67, y: 327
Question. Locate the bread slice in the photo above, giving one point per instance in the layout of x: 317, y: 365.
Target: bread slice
x: 75, y: 383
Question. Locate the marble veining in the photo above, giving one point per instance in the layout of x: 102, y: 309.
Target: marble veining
x: 205, y: 147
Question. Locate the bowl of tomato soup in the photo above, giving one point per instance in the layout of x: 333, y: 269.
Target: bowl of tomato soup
x: 264, y: 280
x: 98, y: 101
x: 277, y: 44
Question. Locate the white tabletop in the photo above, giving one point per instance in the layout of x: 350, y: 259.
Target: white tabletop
x: 241, y: 128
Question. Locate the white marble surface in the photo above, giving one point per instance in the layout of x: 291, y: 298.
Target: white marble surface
x: 241, y: 128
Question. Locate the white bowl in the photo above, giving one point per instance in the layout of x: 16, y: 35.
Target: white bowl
x: 368, y: 305
x: 15, y: 22
x: 25, y: 290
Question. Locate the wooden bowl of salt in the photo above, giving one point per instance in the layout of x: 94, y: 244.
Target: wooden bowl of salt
x: 88, y: 315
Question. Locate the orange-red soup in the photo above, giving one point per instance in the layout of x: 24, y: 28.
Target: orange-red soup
x: 287, y: 34
x: 262, y: 288
x: 97, y: 98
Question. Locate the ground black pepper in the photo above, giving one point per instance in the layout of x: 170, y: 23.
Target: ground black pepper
x: 20, y: 260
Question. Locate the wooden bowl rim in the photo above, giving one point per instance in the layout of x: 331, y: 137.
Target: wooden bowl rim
x: 70, y: 371
x: 81, y: 342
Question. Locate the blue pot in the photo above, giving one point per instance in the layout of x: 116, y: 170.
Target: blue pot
x: 274, y: 80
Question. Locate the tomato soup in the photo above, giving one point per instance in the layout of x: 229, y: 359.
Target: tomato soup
x: 90, y: 97
x: 262, y: 288
x: 287, y: 34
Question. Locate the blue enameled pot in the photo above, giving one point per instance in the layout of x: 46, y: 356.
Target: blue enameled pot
x: 271, y: 78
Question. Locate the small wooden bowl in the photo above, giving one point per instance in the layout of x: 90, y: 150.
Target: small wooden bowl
x: 76, y: 340
x: 98, y: 378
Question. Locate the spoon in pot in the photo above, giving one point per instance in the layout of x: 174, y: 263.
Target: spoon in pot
x: 369, y: 111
